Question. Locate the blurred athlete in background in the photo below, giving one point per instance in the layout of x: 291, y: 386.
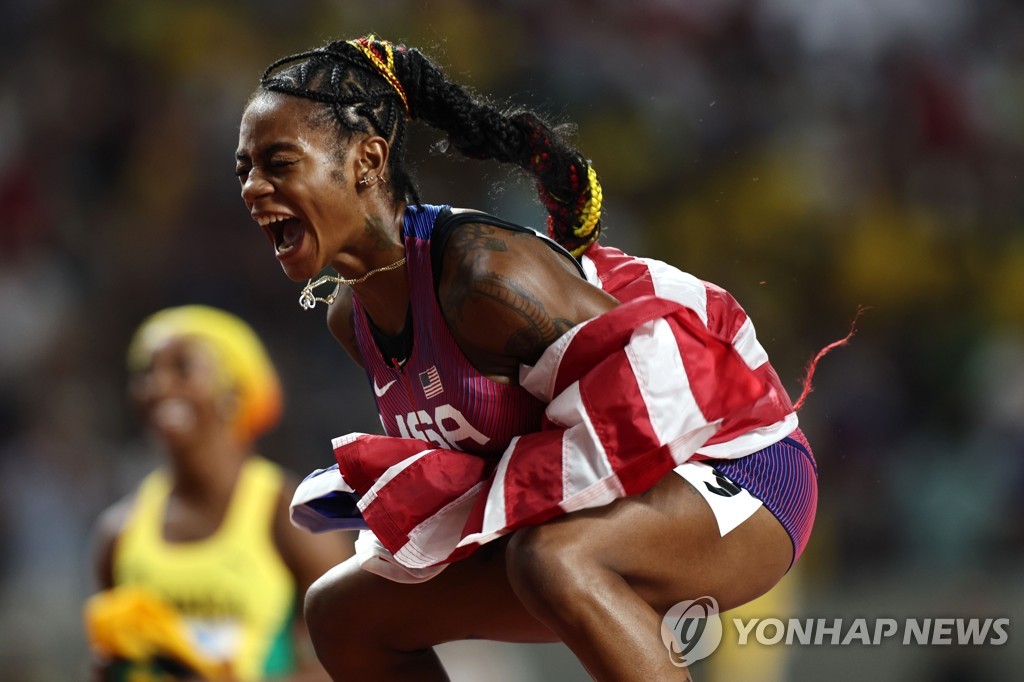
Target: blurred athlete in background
x: 203, y: 575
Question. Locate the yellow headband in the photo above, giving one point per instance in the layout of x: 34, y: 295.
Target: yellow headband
x: 244, y: 359
x: 386, y: 67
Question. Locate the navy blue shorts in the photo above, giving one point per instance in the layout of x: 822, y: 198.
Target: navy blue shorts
x: 784, y: 477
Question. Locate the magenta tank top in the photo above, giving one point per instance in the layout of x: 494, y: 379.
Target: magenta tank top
x: 436, y: 395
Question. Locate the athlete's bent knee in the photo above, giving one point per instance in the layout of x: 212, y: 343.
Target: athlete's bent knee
x: 329, y: 606
x: 548, y: 570
x: 320, y: 603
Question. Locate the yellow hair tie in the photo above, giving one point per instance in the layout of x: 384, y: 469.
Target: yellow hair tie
x: 591, y: 212
x: 386, y: 69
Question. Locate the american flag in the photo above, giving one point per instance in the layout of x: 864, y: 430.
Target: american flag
x: 684, y: 388
x: 431, y: 382
x: 688, y: 388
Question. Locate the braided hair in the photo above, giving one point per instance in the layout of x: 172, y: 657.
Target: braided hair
x: 372, y: 86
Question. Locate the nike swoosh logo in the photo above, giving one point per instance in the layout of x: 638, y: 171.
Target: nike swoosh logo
x: 381, y: 390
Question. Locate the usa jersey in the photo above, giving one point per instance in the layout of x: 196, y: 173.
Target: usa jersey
x: 436, y: 395
x: 673, y: 374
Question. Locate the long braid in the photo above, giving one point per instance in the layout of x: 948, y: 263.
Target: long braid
x: 370, y: 84
x: 566, y: 182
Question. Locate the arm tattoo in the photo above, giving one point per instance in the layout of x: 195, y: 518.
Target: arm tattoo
x: 533, y: 328
x: 537, y: 328
x: 465, y: 244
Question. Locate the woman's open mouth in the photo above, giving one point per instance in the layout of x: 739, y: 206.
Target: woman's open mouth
x: 171, y: 415
x: 288, y: 236
x: 286, y: 233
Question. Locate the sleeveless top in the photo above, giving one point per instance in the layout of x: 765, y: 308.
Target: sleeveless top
x: 233, y: 588
x: 436, y: 395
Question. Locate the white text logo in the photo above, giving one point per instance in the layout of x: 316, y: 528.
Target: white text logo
x: 379, y: 391
x: 909, y: 631
x: 445, y: 429
x: 691, y: 630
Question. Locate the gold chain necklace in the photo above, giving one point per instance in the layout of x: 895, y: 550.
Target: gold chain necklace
x: 308, y: 300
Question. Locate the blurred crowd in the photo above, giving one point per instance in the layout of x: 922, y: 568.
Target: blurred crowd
x: 810, y: 156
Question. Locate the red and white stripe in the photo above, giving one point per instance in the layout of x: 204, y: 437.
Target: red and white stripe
x: 674, y: 373
x: 627, y: 277
x: 632, y: 394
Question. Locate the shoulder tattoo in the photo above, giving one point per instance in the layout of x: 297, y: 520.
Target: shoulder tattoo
x: 470, y: 237
x: 534, y: 328
x: 530, y: 328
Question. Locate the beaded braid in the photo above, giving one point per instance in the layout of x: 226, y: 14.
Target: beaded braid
x: 342, y: 77
x: 566, y: 182
x: 370, y: 83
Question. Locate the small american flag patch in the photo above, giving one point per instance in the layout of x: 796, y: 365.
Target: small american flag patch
x: 431, y: 382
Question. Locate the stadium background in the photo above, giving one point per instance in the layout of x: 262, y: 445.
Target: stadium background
x: 809, y: 155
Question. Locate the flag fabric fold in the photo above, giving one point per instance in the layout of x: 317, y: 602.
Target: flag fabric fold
x: 630, y: 395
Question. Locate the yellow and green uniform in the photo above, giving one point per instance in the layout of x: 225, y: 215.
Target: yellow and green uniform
x: 233, y: 589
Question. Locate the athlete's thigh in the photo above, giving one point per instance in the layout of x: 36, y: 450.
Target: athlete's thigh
x: 470, y: 599
x: 667, y: 545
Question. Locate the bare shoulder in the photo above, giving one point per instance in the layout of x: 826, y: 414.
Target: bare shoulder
x: 113, y: 519
x: 506, y: 295
x: 108, y: 528
x: 342, y: 325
